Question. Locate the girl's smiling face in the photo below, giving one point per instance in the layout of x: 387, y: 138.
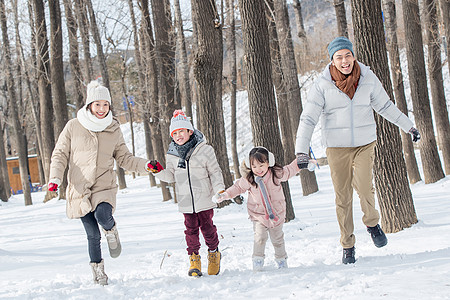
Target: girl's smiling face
x: 259, y: 168
x: 100, y: 108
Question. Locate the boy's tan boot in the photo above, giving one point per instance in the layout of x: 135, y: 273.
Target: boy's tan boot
x: 214, y: 262
x: 196, y: 265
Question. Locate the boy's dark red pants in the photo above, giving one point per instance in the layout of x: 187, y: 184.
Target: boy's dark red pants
x: 203, y: 221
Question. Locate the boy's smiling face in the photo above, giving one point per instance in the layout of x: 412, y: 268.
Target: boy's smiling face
x: 181, y: 136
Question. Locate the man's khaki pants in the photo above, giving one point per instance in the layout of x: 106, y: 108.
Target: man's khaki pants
x: 351, y: 168
x: 261, y: 233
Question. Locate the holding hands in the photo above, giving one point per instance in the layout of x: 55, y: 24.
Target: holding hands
x: 154, y: 166
x: 220, y: 196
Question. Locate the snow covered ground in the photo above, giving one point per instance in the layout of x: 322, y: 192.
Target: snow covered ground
x: 43, y: 255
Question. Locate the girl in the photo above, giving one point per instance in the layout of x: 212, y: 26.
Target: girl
x: 88, y: 145
x: 266, y: 204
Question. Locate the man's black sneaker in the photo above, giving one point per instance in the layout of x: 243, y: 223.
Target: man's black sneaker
x: 378, y: 236
x: 348, y: 256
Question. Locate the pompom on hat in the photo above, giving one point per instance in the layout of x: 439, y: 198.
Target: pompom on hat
x: 180, y: 121
x: 339, y: 43
x: 96, y: 92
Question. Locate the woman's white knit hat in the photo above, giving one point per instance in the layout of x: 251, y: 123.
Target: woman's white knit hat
x: 96, y: 92
x: 180, y: 121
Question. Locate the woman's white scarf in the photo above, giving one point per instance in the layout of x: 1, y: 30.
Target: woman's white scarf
x: 91, y: 122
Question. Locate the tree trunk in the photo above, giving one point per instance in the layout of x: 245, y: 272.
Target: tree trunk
x: 308, y: 179
x: 31, y: 90
x: 185, y: 86
x: 261, y: 100
x: 32, y: 80
x: 445, y: 14
x: 341, y: 18
x: 56, y: 67
x: 165, y: 62
x: 302, y: 54
x: 142, y: 91
x: 105, y: 75
x: 432, y: 168
x: 45, y: 96
x: 74, y: 60
x: 149, y: 147
x: 399, y: 90
x: 391, y: 182
x: 208, y: 75
x: 12, y: 103
x: 281, y: 98
x: 436, y: 82
x: 231, y: 50
x: 4, y: 177
x: 148, y: 58
x: 83, y: 25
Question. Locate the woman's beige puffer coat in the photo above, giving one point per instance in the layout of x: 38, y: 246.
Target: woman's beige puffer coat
x: 90, y: 157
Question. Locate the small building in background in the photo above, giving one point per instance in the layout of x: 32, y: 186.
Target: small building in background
x: 14, y: 174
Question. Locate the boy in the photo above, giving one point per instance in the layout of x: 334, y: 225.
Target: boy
x: 192, y: 165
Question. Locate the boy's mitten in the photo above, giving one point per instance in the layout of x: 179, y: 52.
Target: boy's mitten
x: 154, y: 166
x: 302, y: 160
x: 415, y: 133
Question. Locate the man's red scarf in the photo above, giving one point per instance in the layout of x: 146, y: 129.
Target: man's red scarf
x: 346, y: 83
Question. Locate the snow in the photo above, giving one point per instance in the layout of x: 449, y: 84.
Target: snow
x: 43, y: 254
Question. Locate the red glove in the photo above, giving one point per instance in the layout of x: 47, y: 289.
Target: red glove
x: 52, y: 187
x: 154, y: 166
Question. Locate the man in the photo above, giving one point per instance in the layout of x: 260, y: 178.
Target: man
x: 345, y: 95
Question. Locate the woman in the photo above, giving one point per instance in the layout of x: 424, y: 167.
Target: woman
x: 88, y: 145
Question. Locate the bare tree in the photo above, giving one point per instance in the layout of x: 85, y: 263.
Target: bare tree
x: 165, y: 61
x: 436, y: 81
x: 445, y: 14
x: 12, y: 102
x: 281, y: 97
x: 399, y: 90
x: 74, y: 60
x: 208, y: 65
x: 339, y: 7
x: 301, y: 33
x: 104, y: 71
x: 152, y: 115
x: 231, y: 52
x: 44, y: 87
x: 83, y: 25
x: 4, y: 177
x: 56, y: 67
x: 432, y: 168
x: 185, y: 85
x: 290, y: 76
x: 391, y: 182
x: 264, y: 120
x: 142, y: 91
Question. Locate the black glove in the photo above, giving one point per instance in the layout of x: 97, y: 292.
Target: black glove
x: 415, y: 133
x: 302, y: 160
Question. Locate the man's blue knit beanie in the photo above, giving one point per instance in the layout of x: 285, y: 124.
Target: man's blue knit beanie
x: 339, y: 43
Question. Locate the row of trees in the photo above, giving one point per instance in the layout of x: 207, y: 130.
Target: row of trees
x: 172, y: 70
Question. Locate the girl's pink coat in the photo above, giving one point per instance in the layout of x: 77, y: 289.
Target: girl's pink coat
x: 255, y: 206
